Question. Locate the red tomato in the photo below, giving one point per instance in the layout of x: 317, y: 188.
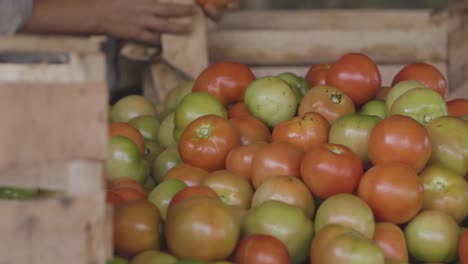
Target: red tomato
x: 192, y: 192
x: 129, y: 194
x: 400, y: 139
x: 393, y: 191
x: 261, y: 249
x: 275, y: 159
x: 251, y: 129
x: 463, y: 247
x: 317, y: 74
x: 383, y: 92
x: 126, y: 183
x: 239, y: 159
x: 458, y: 107
x: 426, y: 74
x: 328, y: 101
x: 391, y: 241
x: 225, y: 80
x: 238, y: 109
x: 113, y: 198
x: 357, y: 75
x: 331, y: 169
x: 190, y: 175
x: 305, y: 132
x: 206, y: 141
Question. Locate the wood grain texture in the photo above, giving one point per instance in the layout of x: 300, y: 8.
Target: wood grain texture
x: 52, y: 43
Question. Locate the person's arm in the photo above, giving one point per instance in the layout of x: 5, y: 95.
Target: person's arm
x: 137, y: 20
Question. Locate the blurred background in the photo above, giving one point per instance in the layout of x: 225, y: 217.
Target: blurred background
x: 327, y: 4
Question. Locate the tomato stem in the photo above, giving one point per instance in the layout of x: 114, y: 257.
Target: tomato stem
x: 427, y: 118
x: 204, y: 131
x: 336, y: 150
x: 335, y: 98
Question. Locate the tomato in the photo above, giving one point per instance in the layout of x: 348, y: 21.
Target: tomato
x: 193, y: 106
x: 124, y: 160
x: 275, y: 159
x: 152, y: 150
x: 357, y: 75
x: 129, y: 194
x: 400, y: 88
x: 421, y: 104
x: 271, y: 100
x: 317, y: 74
x: 287, y: 189
x: 328, y: 101
x: 136, y: 227
x: 449, y: 143
x: 233, y: 189
x: 206, y: 142
x: 239, y: 159
x: 393, y: 191
x: 126, y: 183
x: 391, y: 241
x: 148, y: 126
x: 424, y: 73
x: 225, y: 80
x: 202, y: 228
x: 400, y: 139
x: 113, y: 198
x: 463, y: 247
x: 353, y: 131
x: 331, y: 169
x: 190, y: 175
x: 261, y: 249
x: 162, y: 194
x: 174, y: 96
x: 126, y: 130
x: 285, y: 222
x: 192, y: 192
x: 383, y: 93
x: 117, y: 260
x: 9, y: 193
x: 130, y: 107
x: 237, y: 110
x: 432, y: 236
x: 347, y: 210
x: 166, y: 131
x: 446, y: 191
x: 251, y: 129
x: 299, y: 85
x: 339, y: 244
x: 167, y: 160
x: 457, y: 107
x: 375, y: 107
x: 305, y: 132
x: 153, y: 256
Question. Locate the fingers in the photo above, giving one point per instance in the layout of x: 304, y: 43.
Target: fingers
x: 172, y: 10
x: 162, y: 25
x: 146, y: 37
x: 233, y: 4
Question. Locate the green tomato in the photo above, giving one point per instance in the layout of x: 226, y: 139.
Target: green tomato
x: 162, y: 195
x: 10, y: 193
x: 125, y: 161
x: 117, y: 260
x: 271, y: 100
x: 374, y: 107
x: 432, y: 236
x: 193, y: 106
x: 299, y: 85
x: 399, y: 89
x: 173, y: 98
x: 287, y: 223
x: 166, y: 131
x: 147, y: 125
x: 168, y: 159
x: 353, y: 131
x: 191, y: 262
x: 152, y: 149
x: 130, y: 107
x: 421, y: 104
x: 153, y: 257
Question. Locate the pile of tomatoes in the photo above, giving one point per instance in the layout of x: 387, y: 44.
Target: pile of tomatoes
x: 330, y: 168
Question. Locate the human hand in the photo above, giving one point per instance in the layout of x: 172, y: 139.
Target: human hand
x: 213, y: 8
x: 142, y: 20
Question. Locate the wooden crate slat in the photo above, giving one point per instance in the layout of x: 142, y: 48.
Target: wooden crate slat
x: 458, y: 59
x: 43, y: 43
x: 293, y: 47
x: 52, y: 122
x: 331, y: 19
x: 67, y: 230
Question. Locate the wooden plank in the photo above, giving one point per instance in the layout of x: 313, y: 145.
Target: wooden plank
x: 295, y: 47
x: 363, y: 19
x: 44, y: 43
x: 66, y: 230
x: 387, y: 71
x: 52, y: 122
x: 458, y: 57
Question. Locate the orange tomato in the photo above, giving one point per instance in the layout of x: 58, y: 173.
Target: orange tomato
x: 424, y: 73
x: 317, y: 74
x: 393, y: 191
x: 391, y: 241
x: 238, y: 109
x: 126, y: 183
x: 251, y: 129
x: 463, y: 247
x: 113, y: 198
x: 458, y: 107
x: 191, y: 175
x: 129, y: 194
x: 126, y: 130
x: 239, y: 159
x: 400, y: 139
x: 192, y: 192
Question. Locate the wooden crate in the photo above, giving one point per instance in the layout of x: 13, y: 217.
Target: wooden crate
x: 54, y: 137
x: 276, y: 41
